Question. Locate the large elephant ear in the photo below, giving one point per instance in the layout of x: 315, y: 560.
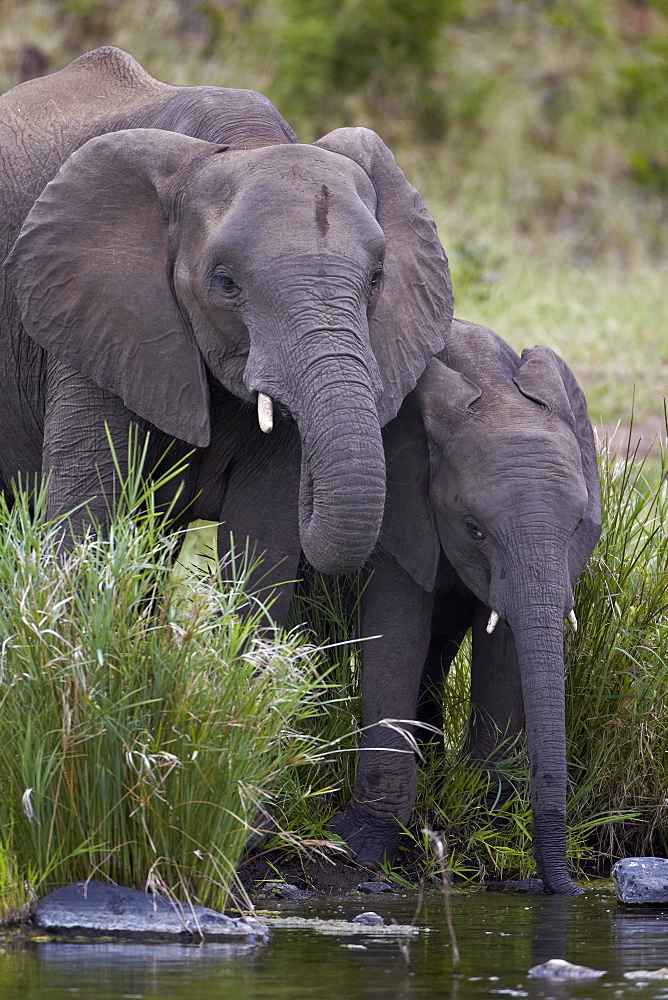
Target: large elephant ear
x: 545, y: 378
x: 444, y: 396
x: 413, y: 441
x: 91, y: 273
x: 413, y: 313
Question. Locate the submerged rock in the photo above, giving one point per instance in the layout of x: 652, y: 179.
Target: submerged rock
x: 558, y: 968
x: 370, y: 918
x: 373, y: 887
x: 641, y: 881
x: 531, y: 886
x: 96, y: 908
x: 284, y: 890
x: 647, y: 974
x: 343, y: 928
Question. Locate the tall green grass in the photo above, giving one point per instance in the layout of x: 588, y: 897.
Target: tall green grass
x: 146, y: 720
x: 617, y: 678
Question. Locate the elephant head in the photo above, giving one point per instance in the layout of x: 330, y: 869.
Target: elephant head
x: 513, y: 502
x: 310, y: 276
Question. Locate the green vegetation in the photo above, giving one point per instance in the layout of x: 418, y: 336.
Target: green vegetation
x: 335, y: 58
x: 145, y: 724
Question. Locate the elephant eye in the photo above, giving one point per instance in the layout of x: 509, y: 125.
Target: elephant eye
x: 473, y: 529
x: 376, y: 276
x: 225, y: 283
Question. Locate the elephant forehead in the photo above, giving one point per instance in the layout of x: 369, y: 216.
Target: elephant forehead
x: 315, y: 165
x: 254, y: 211
x: 511, y: 458
x: 531, y: 438
x: 291, y: 172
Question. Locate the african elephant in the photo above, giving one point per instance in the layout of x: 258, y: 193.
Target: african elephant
x: 176, y: 255
x: 492, y: 511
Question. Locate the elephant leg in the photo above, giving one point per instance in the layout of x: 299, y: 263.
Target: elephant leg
x: 497, y: 710
x: 259, y: 524
x: 398, y: 611
x: 451, y: 619
x: 80, y: 420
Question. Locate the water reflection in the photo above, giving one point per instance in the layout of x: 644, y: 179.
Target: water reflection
x: 145, y: 956
x: 549, y: 919
x: 640, y: 938
x: 500, y: 937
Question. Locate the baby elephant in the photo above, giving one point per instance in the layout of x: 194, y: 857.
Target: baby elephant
x: 492, y: 511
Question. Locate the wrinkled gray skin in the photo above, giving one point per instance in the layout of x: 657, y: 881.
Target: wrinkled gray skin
x: 492, y: 503
x: 178, y: 252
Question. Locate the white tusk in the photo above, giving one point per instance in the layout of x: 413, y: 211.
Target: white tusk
x: 572, y: 620
x: 265, y: 413
x: 492, y: 623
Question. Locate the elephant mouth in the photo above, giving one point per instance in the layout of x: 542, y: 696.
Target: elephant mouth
x: 495, y: 617
x: 270, y: 411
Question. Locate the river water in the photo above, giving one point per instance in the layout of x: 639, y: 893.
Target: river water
x: 500, y: 936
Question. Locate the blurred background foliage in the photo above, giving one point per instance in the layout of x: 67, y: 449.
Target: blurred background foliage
x: 536, y: 131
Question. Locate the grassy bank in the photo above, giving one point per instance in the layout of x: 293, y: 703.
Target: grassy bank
x: 149, y: 728
x: 146, y: 721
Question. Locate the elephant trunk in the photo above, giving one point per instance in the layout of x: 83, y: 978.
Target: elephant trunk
x: 310, y: 352
x: 342, y: 488
x: 537, y: 627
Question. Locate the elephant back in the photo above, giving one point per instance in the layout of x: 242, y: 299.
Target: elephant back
x: 43, y: 121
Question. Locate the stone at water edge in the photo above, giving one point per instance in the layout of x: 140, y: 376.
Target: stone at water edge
x: 647, y: 974
x: 101, y: 908
x: 557, y: 968
x: 641, y: 881
x: 373, y: 887
x: 370, y: 918
x: 283, y: 890
x: 530, y: 886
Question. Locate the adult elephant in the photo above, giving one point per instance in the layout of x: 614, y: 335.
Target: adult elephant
x: 175, y: 250
x: 492, y: 511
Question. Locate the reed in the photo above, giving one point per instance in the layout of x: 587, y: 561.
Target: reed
x: 146, y: 719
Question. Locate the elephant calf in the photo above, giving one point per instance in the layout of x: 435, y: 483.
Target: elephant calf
x: 492, y: 511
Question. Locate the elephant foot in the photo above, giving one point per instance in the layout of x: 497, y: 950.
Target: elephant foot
x: 370, y: 839
x: 562, y: 887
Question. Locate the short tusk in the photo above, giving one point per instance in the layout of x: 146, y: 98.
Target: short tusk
x: 265, y: 413
x: 492, y: 623
x: 572, y: 620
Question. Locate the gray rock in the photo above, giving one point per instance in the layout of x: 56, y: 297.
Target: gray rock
x: 530, y: 886
x: 641, y: 881
x: 284, y: 890
x: 558, y: 969
x: 373, y: 887
x: 345, y: 928
x: 647, y: 974
x: 370, y: 918
x: 99, y: 908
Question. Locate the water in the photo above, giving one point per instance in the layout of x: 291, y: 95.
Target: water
x: 500, y: 937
